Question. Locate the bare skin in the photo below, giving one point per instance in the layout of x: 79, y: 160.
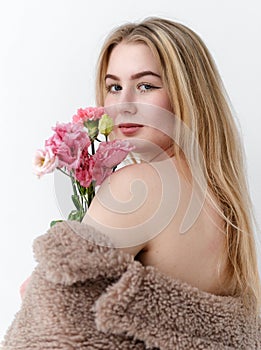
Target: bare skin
x: 193, y: 257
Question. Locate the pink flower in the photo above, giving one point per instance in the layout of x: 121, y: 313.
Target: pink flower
x: 44, y: 162
x: 84, y: 171
x: 67, y: 144
x: 108, y: 155
x: 90, y: 113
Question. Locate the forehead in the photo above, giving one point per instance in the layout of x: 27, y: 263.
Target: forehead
x: 130, y: 58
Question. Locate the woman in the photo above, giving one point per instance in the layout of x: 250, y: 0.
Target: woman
x: 184, y: 272
x: 186, y: 83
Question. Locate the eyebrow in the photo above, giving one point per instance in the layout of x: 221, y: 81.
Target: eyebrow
x: 134, y: 76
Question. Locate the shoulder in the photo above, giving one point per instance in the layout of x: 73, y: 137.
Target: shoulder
x: 129, y: 172
x: 154, y: 177
x: 133, y: 176
x: 136, y: 183
x: 123, y: 203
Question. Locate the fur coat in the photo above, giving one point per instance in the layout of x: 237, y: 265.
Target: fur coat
x: 84, y: 294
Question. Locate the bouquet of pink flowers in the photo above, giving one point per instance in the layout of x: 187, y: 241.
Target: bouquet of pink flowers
x: 72, y: 150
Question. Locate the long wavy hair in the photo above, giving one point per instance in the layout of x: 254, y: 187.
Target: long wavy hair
x: 198, y: 98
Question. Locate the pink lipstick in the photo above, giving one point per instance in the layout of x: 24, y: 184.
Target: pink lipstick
x: 129, y: 129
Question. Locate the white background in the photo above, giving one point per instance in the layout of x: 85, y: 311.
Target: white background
x: 47, y: 68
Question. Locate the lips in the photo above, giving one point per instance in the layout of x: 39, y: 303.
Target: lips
x: 130, y: 128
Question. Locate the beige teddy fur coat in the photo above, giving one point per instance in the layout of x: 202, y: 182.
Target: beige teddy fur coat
x: 84, y: 294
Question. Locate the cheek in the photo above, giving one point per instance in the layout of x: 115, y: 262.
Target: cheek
x: 107, y: 100
x: 162, y: 101
x: 166, y: 103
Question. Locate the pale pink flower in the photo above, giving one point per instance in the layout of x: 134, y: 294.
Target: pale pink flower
x: 89, y: 113
x: 85, y: 168
x: 67, y: 144
x: 44, y: 162
x: 108, y: 155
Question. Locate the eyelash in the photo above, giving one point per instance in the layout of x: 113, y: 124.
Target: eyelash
x: 151, y: 87
x: 109, y: 87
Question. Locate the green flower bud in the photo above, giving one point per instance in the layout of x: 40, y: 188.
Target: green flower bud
x: 105, y: 125
x: 92, y: 126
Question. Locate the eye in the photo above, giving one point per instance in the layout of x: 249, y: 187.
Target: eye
x: 113, y: 88
x: 143, y: 87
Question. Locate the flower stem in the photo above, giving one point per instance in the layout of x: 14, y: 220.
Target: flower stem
x: 64, y: 172
x: 74, y: 185
x: 91, y: 193
x: 93, y: 148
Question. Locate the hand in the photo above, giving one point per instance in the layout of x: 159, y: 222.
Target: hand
x: 23, y: 287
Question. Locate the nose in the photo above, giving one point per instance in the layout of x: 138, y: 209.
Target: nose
x: 127, y: 99
x: 127, y: 108
x: 122, y: 112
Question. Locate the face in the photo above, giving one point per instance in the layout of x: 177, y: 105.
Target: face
x: 134, y: 84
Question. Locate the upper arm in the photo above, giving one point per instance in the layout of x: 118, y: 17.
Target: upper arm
x: 124, y: 204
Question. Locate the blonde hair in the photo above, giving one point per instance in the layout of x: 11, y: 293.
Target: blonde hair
x: 198, y: 99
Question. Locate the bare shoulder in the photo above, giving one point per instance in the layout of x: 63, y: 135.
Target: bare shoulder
x: 124, y: 201
x: 131, y: 175
x: 142, y: 206
x: 131, y: 182
x: 129, y: 172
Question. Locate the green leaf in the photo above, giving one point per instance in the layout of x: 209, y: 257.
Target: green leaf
x: 55, y: 222
x: 75, y: 215
x: 72, y: 215
x: 82, y: 190
x: 76, y: 201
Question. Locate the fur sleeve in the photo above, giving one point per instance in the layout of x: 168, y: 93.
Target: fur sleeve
x: 72, y: 251
x: 75, y: 265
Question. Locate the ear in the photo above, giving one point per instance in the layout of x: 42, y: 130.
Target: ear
x: 71, y: 251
